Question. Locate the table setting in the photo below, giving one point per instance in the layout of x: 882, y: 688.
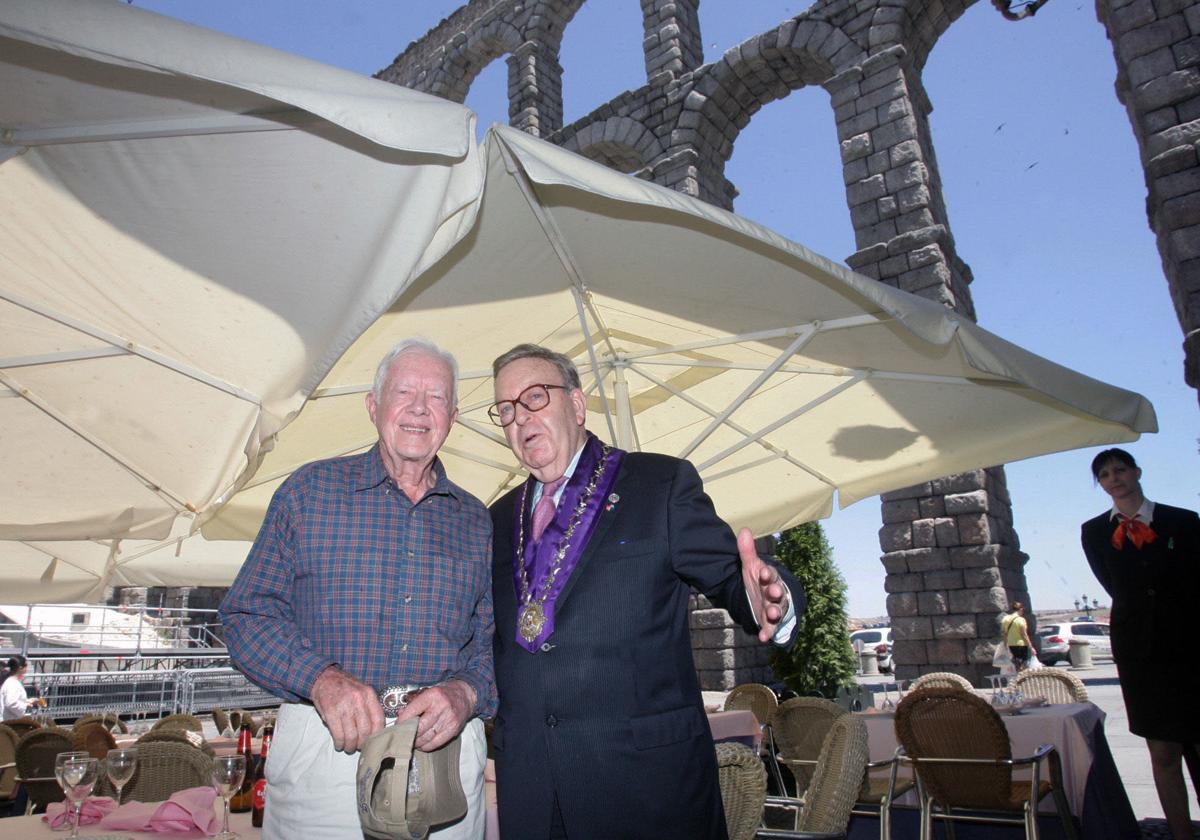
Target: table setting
x: 196, y: 812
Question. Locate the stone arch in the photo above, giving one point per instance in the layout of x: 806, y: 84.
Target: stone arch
x: 447, y: 69
x: 622, y: 143
x: 799, y: 52
x: 918, y: 24
x: 762, y: 69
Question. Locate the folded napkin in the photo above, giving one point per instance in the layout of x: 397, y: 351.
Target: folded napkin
x: 185, y: 810
x: 95, y: 808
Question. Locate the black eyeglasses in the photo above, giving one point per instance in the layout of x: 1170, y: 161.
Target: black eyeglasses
x: 533, y: 398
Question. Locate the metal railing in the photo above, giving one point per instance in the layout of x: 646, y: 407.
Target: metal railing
x: 44, y: 630
x: 149, y: 693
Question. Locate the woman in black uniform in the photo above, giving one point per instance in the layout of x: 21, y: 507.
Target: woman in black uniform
x: 1146, y: 555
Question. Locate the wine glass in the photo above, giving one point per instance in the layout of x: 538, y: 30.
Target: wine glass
x: 887, y: 704
x: 60, y: 761
x: 119, y: 766
x: 228, y: 773
x: 78, y: 777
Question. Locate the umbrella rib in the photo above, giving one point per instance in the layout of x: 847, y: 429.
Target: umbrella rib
x: 787, y: 418
x: 550, y: 228
x: 805, y: 335
x: 138, y: 473
x: 58, y: 358
x: 763, y: 335
x: 591, y: 348
x: 133, y: 348
x: 711, y: 363
x: 507, y: 469
x: 484, y: 430
x: 776, y: 452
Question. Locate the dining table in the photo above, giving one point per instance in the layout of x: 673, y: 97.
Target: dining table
x: 1091, y: 782
x: 36, y: 828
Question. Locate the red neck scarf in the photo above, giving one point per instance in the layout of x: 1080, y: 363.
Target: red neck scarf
x: 1139, y: 532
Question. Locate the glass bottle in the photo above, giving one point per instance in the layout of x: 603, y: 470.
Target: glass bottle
x: 241, y: 801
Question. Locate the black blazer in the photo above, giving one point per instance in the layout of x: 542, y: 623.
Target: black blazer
x: 607, y: 716
x: 1153, y: 589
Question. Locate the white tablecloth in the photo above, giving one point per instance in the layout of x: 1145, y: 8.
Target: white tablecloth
x: 1068, y: 727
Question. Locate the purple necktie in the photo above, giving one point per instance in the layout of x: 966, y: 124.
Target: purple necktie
x: 543, y: 511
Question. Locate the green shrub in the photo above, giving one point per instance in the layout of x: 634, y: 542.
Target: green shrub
x: 821, y: 659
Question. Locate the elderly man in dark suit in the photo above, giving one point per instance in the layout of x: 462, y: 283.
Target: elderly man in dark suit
x: 601, y: 731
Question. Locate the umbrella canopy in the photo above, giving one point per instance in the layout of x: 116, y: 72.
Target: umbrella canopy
x: 786, y: 379
x: 80, y: 571
x: 193, y: 229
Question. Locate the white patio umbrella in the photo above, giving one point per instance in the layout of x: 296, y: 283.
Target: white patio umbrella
x: 787, y: 379
x: 193, y: 229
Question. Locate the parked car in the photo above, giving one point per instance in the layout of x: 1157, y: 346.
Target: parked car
x: 878, y: 637
x: 1054, y: 640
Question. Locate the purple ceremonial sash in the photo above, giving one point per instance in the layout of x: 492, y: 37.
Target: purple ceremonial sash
x: 538, y: 556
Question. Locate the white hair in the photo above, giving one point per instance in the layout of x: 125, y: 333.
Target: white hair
x: 415, y: 345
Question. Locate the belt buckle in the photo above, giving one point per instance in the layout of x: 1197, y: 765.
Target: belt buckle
x: 396, y: 697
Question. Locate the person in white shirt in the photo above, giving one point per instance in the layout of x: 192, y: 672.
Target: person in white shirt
x: 14, y: 700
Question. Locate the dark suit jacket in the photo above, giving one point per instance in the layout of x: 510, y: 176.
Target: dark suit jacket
x: 607, y: 716
x: 1154, y: 588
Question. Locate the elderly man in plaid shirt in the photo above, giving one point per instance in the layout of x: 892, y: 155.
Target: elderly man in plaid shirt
x: 368, y: 592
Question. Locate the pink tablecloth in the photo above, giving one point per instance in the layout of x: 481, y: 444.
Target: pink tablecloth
x: 32, y: 828
x: 736, y: 725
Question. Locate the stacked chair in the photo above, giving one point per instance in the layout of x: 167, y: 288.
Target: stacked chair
x: 1055, y: 684
x: 962, y: 757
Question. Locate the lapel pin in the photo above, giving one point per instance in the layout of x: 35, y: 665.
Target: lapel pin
x: 613, y: 498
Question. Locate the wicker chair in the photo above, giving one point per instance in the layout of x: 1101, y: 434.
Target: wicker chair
x: 93, y: 738
x: 22, y: 725
x: 1055, y: 684
x: 743, y: 788
x: 110, y: 720
x: 179, y: 722
x: 941, y: 679
x: 221, y: 721
x: 962, y: 756
x: 835, y: 784
x: 762, y: 703
x: 755, y: 698
x: 165, y: 767
x: 879, y: 790
x: 36, y: 752
x: 240, y: 716
x: 800, y: 726
x: 8, y: 762
x: 176, y: 736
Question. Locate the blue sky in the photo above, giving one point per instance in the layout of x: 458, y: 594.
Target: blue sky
x: 1044, y: 191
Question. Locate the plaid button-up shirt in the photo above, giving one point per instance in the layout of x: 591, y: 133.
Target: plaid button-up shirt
x: 347, y: 570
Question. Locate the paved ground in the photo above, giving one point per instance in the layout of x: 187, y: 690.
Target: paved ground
x: 1129, y: 751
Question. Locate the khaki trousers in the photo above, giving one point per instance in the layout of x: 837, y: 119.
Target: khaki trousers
x: 310, y: 785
